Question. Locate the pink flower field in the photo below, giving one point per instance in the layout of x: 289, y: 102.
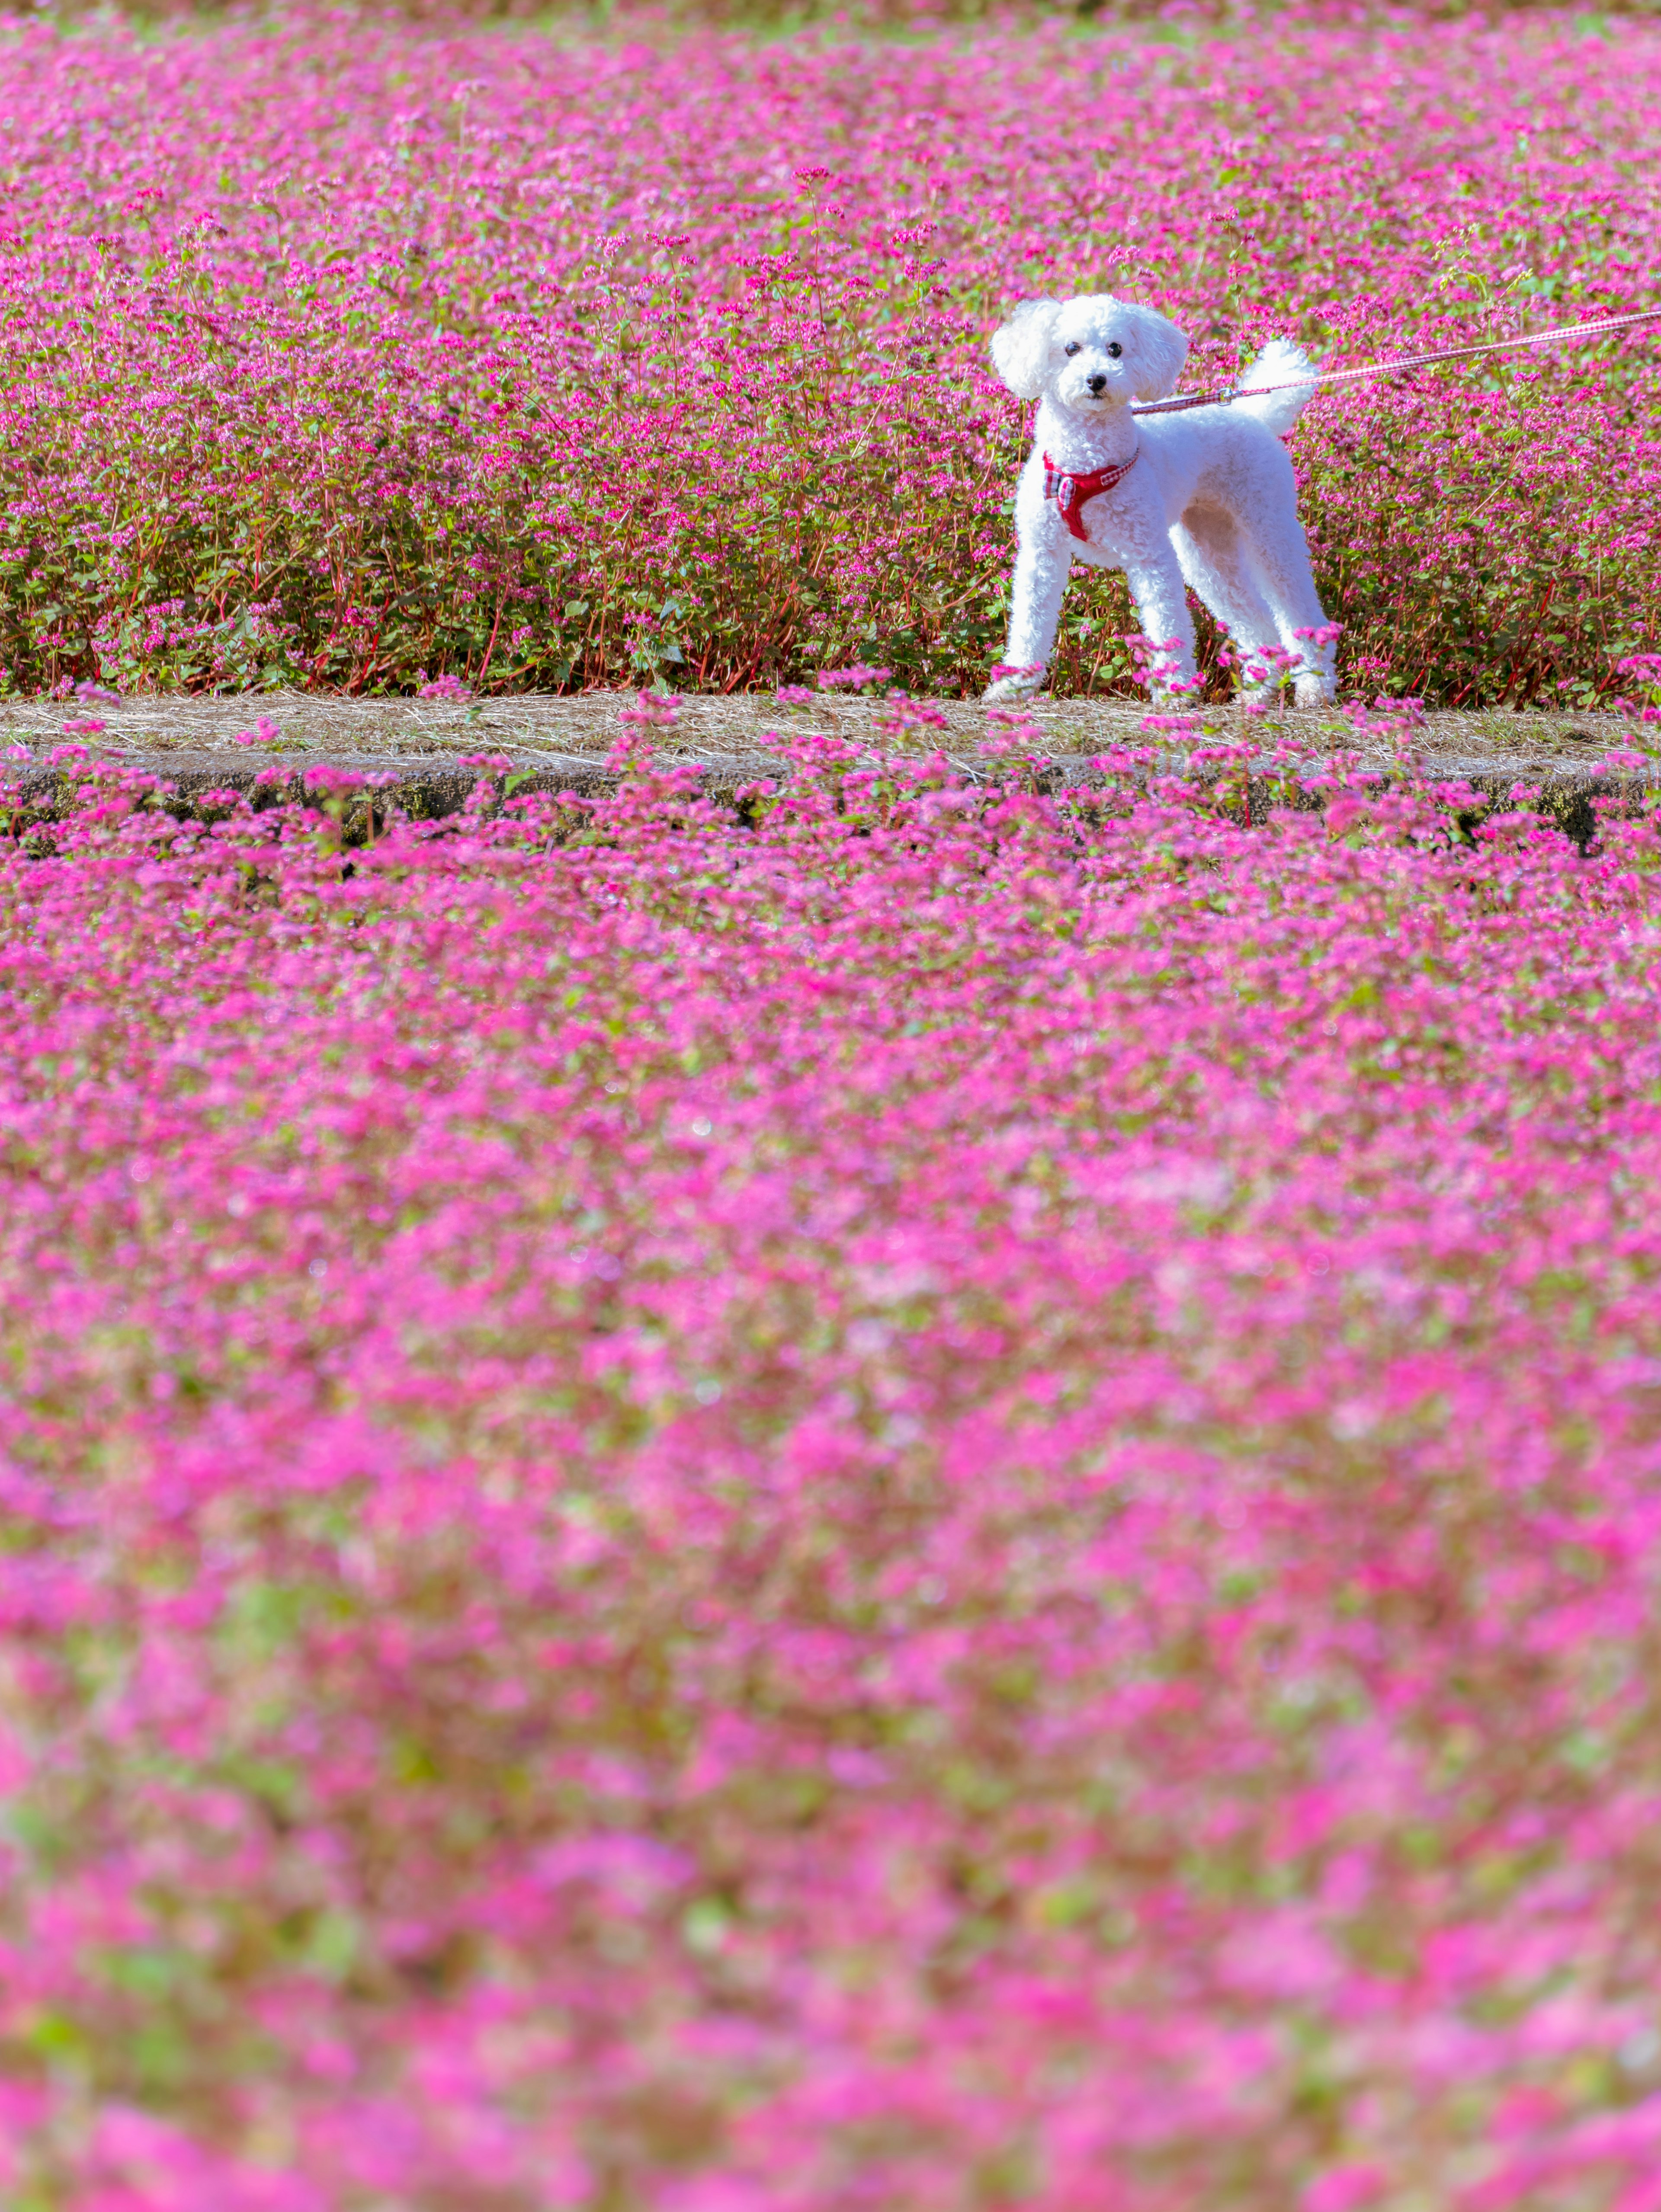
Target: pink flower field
x: 924, y: 1497
x: 932, y: 1493
x: 345, y: 354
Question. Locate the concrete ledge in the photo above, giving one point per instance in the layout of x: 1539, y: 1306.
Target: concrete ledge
x: 432, y: 787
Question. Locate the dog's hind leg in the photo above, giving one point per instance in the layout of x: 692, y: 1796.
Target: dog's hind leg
x: 1156, y: 586
x: 1214, y: 560
x: 1280, y: 558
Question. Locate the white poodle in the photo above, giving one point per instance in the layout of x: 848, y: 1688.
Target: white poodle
x: 1205, y: 497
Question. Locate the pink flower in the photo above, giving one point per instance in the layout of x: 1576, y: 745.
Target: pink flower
x: 1345, y: 2187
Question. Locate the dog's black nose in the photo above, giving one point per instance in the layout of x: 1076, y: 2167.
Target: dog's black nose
x: 1098, y: 382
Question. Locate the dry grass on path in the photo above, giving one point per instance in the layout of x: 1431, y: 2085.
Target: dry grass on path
x: 193, y: 737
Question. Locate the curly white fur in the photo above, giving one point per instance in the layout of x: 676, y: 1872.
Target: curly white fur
x: 1211, y: 500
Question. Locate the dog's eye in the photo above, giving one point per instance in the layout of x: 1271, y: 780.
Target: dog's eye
x: 1072, y: 348
x: 1114, y: 351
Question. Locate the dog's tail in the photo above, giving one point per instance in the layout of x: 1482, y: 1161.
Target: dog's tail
x: 1279, y: 363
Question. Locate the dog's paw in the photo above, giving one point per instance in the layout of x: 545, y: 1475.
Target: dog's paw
x: 1022, y: 685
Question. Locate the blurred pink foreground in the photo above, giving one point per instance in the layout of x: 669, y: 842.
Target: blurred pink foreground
x: 935, y: 1499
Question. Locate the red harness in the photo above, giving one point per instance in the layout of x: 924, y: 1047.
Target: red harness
x: 1070, y: 491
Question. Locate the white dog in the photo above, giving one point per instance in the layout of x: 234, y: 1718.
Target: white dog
x: 1205, y: 497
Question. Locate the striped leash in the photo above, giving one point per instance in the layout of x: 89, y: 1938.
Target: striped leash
x: 1221, y: 397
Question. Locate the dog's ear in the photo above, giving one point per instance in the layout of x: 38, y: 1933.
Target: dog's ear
x: 1158, y: 351
x: 1021, y: 349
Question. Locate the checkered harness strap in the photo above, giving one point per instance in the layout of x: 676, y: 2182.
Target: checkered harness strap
x: 1070, y: 488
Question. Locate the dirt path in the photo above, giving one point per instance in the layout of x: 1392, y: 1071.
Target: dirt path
x: 563, y: 741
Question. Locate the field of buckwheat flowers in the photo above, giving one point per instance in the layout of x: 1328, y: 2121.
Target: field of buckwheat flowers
x: 921, y: 1496
x: 926, y: 1495
x: 348, y: 355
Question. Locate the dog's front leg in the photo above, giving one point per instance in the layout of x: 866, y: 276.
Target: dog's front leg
x: 1157, y: 587
x: 1042, y: 566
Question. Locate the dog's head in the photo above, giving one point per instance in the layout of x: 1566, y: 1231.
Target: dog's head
x: 1088, y: 354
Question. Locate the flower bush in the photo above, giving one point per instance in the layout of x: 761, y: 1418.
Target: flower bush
x: 344, y: 353
x: 923, y: 1496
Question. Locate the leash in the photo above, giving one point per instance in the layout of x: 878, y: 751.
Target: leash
x: 1221, y: 397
